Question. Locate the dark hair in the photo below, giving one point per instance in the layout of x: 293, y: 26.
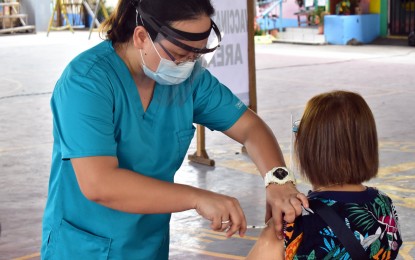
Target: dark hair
x: 336, y: 140
x: 119, y: 27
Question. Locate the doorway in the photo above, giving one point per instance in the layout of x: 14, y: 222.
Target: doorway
x: 401, y: 17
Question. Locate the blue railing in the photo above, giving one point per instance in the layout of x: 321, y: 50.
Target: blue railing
x: 271, y: 23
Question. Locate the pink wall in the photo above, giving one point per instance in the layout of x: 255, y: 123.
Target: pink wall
x: 289, y: 7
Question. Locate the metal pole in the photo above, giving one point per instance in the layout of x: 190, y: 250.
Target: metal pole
x: 94, y: 18
x: 280, y: 18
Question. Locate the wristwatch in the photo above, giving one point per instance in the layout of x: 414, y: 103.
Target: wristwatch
x: 278, y: 175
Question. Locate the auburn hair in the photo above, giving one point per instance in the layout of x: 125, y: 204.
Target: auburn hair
x: 336, y: 142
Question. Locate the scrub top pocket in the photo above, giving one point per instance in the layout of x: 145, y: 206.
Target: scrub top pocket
x: 69, y: 242
x: 185, y: 137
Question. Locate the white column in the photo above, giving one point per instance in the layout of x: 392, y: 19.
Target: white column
x: 39, y: 12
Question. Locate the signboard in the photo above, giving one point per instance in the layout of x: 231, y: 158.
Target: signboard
x: 230, y: 62
x: 234, y: 62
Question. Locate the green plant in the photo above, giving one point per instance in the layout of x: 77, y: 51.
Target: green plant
x: 318, y: 15
x: 343, y: 7
x: 257, y: 29
x: 346, y: 7
x: 259, y: 32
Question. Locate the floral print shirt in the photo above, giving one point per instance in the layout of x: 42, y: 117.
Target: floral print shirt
x: 370, y: 214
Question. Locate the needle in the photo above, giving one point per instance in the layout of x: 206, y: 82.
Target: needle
x: 257, y: 226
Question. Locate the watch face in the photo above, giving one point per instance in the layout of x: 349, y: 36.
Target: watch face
x: 280, y: 173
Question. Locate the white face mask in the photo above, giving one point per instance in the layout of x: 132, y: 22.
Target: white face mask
x: 168, y: 72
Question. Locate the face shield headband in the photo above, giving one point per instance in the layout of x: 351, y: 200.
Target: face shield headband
x: 173, y: 35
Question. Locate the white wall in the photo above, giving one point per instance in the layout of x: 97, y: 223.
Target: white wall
x: 38, y: 12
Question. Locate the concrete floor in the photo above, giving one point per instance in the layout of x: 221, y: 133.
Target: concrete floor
x: 287, y: 76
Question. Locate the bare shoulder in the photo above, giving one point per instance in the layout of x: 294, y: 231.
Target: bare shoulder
x: 268, y: 246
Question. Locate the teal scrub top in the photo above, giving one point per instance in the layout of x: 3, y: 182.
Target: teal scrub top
x: 97, y: 111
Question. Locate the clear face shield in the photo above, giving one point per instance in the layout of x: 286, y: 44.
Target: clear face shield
x: 182, y: 47
x: 182, y: 54
x: 293, y: 158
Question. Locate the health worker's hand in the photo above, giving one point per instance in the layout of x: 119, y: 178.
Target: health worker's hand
x: 223, y: 211
x: 283, y: 203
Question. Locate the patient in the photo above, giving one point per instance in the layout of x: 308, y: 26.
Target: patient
x: 336, y: 148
